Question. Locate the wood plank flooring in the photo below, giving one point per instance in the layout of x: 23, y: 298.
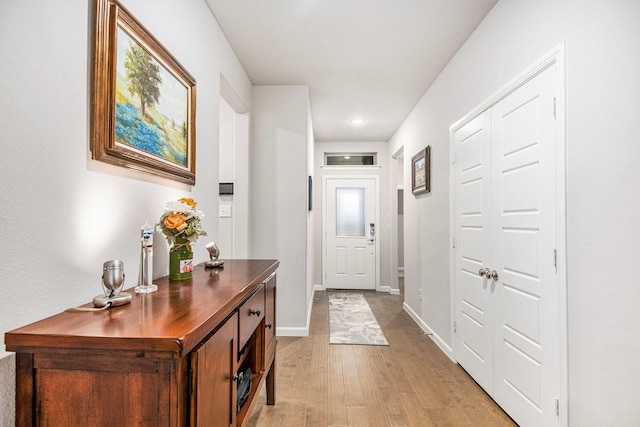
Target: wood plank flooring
x: 408, y: 383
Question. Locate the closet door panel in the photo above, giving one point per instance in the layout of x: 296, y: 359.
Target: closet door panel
x: 523, y: 242
x: 472, y: 213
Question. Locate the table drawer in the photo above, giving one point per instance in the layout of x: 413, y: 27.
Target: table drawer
x: 250, y: 314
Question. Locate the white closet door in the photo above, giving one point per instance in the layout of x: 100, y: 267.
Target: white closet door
x: 473, y: 217
x: 505, y: 221
x: 526, y: 342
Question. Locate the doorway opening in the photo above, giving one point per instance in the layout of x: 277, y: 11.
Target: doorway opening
x: 233, y: 172
x: 397, y: 220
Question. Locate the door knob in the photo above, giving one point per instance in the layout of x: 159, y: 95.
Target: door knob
x: 493, y: 275
x: 484, y: 271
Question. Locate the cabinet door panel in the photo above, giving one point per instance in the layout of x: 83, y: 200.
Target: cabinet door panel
x: 64, y: 386
x: 214, y: 391
x: 117, y: 389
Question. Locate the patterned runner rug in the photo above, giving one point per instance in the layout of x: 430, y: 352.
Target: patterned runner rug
x: 352, y: 322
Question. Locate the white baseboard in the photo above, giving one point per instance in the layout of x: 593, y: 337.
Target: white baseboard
x: 389, y: 289
x: 446, y: 349
x: 292, y: 332
x: 310, y: 305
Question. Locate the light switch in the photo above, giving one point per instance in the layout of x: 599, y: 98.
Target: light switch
x: 225, y: 211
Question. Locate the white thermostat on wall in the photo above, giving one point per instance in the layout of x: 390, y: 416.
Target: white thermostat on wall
x: 225, y: 188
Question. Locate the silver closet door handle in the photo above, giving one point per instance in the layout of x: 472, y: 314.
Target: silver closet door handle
x: 493, y: 275
x: 484, y: 271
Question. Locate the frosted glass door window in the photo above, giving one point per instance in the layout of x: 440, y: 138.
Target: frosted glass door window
x: 350, y: 221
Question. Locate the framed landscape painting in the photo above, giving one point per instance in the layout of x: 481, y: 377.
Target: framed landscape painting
x: 143, y: 100
x: 421, y: 172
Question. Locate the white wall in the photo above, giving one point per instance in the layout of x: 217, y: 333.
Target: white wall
x: 603, y: 106
x: 278, y: 200
x: 64, y: 214
x: 385, y: 220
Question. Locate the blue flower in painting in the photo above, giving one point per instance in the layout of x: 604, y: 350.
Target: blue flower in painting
x: 147, y: 139
x: 126, y: 119
x: 132, y: 130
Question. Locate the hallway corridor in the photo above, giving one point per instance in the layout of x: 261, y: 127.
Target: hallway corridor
x: 408, y: 383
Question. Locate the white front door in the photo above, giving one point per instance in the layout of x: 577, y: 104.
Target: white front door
x: 507, y: 297
x: 350, y: 232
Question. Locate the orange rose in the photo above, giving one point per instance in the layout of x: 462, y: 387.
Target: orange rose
x: 188, y: 201
x: 176, y: 221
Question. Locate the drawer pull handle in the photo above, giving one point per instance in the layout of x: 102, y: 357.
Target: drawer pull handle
x: 269, y: 325
x: 255, y: 312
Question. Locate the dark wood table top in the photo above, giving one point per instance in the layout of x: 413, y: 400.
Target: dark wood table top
x: 168, y: 323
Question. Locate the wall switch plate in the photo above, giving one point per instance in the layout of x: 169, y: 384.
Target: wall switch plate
x: 225, y: 211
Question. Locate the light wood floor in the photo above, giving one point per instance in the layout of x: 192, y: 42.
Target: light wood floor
x: 408, y: 383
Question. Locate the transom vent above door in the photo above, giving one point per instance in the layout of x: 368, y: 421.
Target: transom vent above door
x: 349, y: 159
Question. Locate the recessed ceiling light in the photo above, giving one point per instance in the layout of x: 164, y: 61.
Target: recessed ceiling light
x: 357, y: 121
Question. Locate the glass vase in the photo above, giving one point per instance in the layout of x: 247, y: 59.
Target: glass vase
x: 180, y: 263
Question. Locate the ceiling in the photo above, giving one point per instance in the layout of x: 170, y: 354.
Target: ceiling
x: 372, y: 59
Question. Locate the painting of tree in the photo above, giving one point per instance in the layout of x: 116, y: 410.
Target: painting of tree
x: 151, y: 104
x: 143, y: 76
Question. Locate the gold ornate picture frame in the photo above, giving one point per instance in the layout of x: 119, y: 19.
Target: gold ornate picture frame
x: 143, y: 103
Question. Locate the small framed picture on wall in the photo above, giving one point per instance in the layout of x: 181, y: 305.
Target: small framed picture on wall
x: 421, y: 172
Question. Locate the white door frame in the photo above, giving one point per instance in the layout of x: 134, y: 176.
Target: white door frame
x: 396, y: 184
x: 555, y: 56
x: 376, y: 179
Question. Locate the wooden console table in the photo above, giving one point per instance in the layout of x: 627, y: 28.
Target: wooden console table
x: 169, y: 358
